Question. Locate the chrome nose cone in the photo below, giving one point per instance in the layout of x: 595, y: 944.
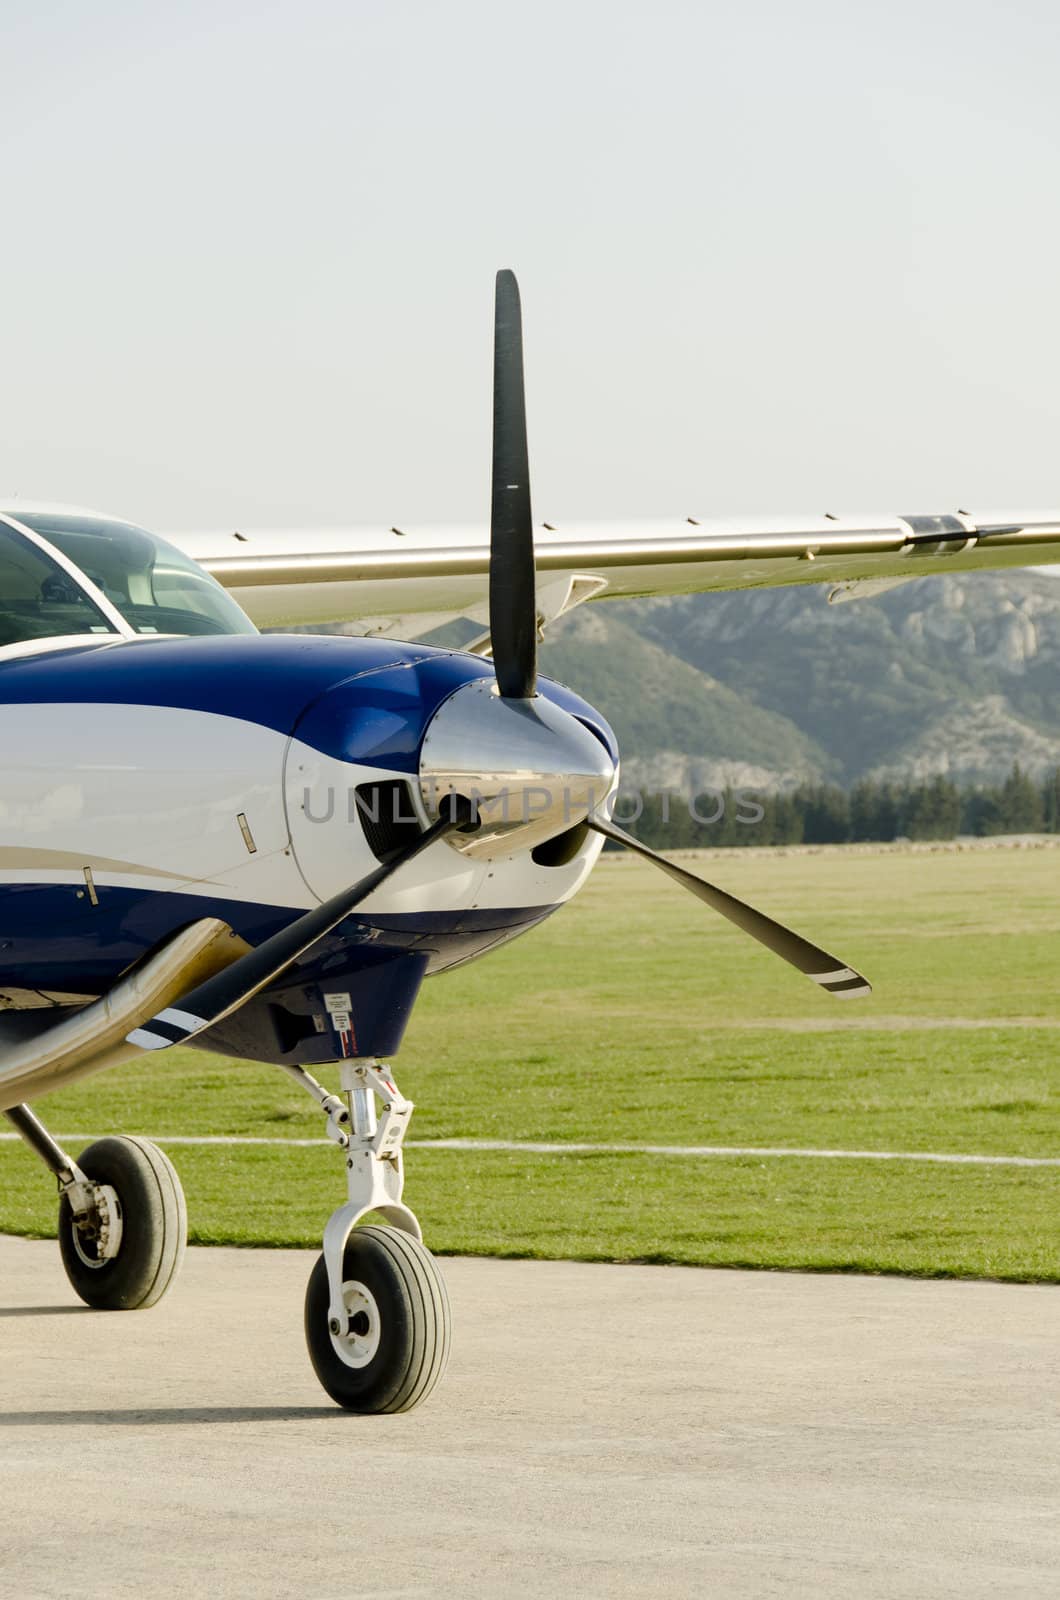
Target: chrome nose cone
x: 530, y: 768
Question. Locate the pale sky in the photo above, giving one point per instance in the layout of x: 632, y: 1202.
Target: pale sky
x: 774, y: 256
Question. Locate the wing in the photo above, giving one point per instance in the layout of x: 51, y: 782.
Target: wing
x: 404, y: 581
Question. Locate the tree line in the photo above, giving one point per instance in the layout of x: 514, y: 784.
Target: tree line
x: 822, y: 813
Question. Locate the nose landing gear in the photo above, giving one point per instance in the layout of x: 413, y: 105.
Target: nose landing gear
x: 377, y: 1319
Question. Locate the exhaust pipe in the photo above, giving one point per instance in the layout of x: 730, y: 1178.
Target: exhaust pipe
x: 94, y: 1037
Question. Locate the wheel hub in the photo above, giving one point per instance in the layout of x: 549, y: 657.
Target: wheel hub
x: 359, y: 1344
x: 96, y: 1234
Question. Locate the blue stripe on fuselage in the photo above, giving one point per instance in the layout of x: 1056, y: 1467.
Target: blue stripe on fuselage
x: 51, y: 939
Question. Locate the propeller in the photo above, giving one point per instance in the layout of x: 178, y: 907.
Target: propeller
x: 513, y: 633
x: 815, y: 963
x: 210, y: 1002
x: 512, y: 591
x: 485, y: 743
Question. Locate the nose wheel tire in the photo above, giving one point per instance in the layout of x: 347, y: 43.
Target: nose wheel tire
x: 154, y: 1227
x: 397, y: 1343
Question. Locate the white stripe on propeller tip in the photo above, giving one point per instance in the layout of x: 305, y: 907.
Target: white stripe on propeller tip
x: 844, y: 983
x: 171, y: 1026
x: 147, y: 1040
x: 180, y: 1019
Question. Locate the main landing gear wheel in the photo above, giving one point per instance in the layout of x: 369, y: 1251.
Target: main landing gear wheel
x: 153, y: 1220
x: 397, y: 1345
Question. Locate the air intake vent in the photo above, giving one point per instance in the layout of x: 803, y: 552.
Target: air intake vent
x: 388, y: 816
x: 557, y: 852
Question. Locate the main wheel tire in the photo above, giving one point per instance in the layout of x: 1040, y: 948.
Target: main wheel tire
x: 398, y: 1344
x: 154, y: 1227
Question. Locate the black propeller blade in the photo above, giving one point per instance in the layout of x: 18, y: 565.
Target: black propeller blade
x: 513, y: 597
x: 817, y: 964
x: 219, y: 996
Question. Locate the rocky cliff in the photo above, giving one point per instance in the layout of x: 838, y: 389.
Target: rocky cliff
x: 954, y: 675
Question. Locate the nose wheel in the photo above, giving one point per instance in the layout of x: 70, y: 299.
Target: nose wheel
x: 396, y: 1342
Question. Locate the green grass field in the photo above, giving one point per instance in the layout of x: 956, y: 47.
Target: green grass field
x: 636, y: 1016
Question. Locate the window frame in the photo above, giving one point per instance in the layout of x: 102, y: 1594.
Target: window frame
x: 110, y: 612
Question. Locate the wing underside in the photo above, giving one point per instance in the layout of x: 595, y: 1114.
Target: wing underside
x: 407, y: 581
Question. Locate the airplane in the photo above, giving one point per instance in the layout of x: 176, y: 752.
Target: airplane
x: 260, y: 844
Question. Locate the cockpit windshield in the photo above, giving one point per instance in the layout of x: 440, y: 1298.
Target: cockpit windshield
x: 38, y: 599
x: 155, y: 587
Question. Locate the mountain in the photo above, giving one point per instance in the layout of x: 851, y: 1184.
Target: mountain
x: 767, y: 688
x: 675, y: 722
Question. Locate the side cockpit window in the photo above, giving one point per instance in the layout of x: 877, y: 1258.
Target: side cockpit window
x: 38, y: 599
x: 155, y: 587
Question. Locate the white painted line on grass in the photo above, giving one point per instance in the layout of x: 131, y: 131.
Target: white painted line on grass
x: 541, y: 1148
x: 187, y: 1138
x: 534, y: 1148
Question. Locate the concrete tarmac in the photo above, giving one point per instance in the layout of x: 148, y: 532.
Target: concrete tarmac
x: 602, y: 1431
